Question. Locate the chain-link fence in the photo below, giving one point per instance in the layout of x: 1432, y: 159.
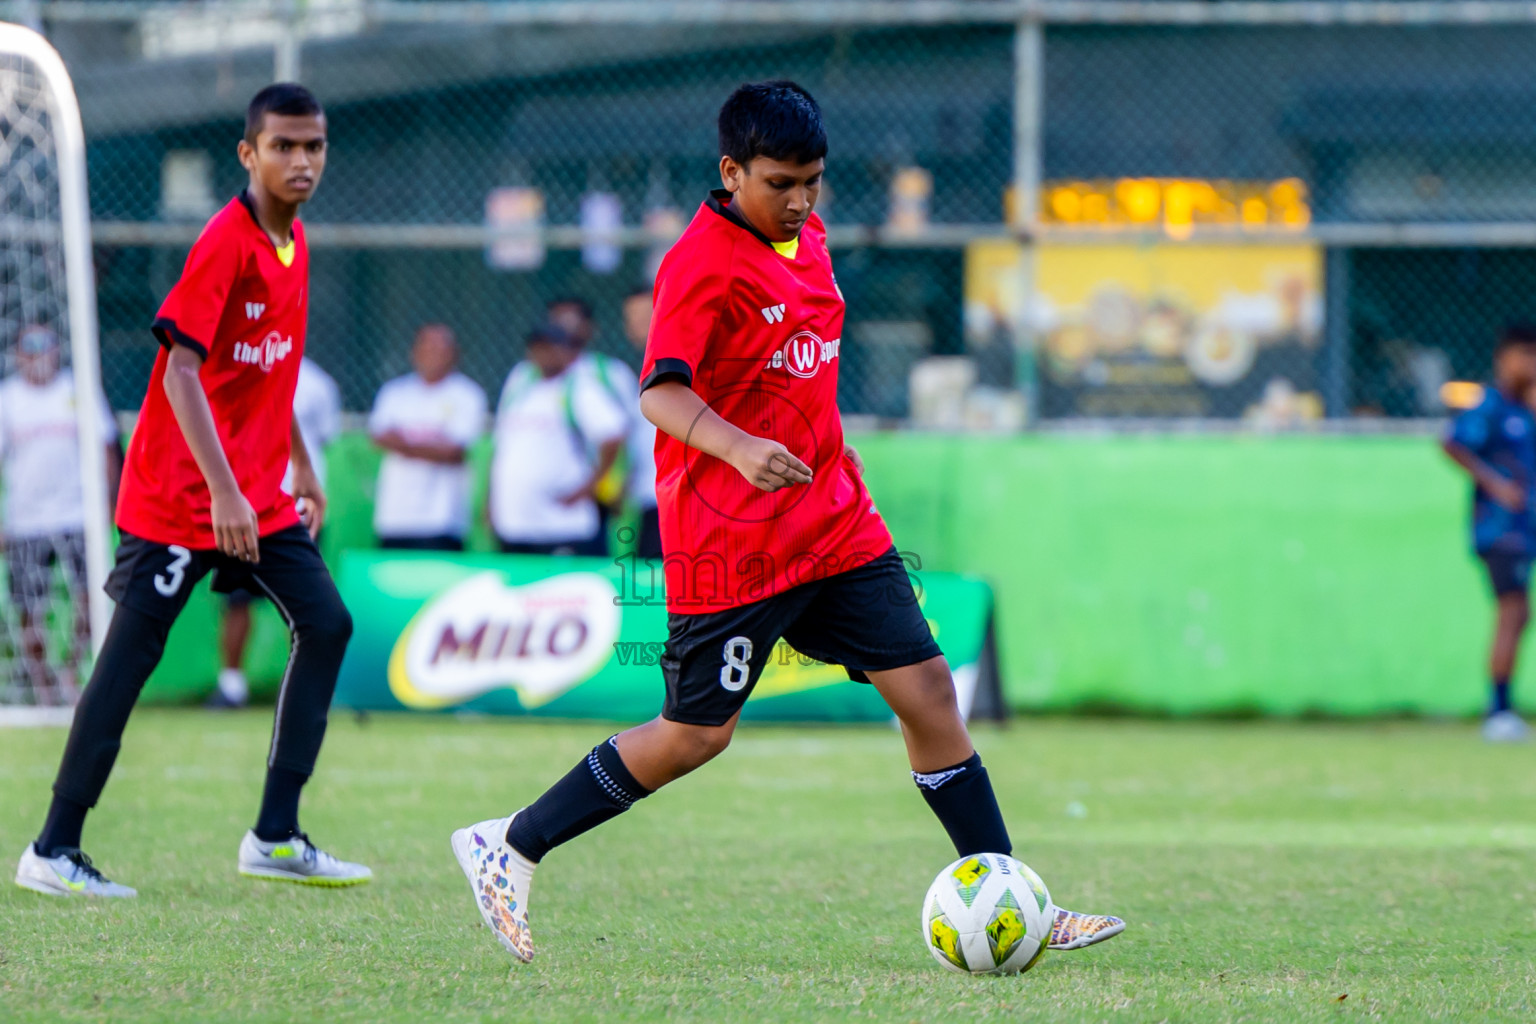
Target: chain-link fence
x: 1268, y: 210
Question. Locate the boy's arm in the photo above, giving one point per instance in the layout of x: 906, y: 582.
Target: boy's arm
x: 1500, y: 487
x: 306, y: 483
x: 235, y: 529
x: 675, y: 408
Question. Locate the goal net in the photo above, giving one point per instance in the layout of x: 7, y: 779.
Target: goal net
x: 54, y: 424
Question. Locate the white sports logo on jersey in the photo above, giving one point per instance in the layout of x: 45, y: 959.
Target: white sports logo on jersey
x: 774, y: 314
x: 804, y: 353
x: 253, y: 310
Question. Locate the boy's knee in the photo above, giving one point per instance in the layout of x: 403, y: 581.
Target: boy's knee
x: 702, y: 743
x: 331, y: 623
x: 936, y: 686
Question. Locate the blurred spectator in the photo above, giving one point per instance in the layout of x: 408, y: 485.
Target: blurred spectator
x: 426, y: 422
x: 641, y: 483
x: 557, y: 436
x: 574, y: 317
x: 317, y: 410
x: 616, y: 380
x: 44, y: 505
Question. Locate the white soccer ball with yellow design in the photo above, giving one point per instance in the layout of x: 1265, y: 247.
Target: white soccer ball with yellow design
x: 987, y: 914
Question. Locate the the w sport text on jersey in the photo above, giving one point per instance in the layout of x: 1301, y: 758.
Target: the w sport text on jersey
x: 266, y: 354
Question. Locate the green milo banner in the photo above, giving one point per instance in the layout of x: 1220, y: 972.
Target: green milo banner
x: 582, y: 638
x: 1162, y: 574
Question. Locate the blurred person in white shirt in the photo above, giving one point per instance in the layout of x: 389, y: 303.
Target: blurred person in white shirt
x: 317, y: 410
x: 44, y: 505
x: 637, y: 481
x: 426, y: 422
x: 557, y: 435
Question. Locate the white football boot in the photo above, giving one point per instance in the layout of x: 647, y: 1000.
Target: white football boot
x: 69, y: 874
x: 1505, y: 727
x: 296, y: 859
x: 499, y: 878
x: 1071, y: 930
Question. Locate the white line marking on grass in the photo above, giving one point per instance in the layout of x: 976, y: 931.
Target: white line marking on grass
x: 35, y: 718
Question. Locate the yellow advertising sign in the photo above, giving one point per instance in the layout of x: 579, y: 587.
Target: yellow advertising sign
x: 1223, y: 330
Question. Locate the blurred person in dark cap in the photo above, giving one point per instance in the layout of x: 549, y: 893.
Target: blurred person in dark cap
x: 557, y: 435
x: 44, y: 511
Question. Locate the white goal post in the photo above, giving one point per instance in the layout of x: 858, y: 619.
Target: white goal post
x: 23, y: 52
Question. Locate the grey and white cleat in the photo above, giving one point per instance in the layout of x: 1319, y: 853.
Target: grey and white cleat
x: 71, y: 873
x: 297, y: 860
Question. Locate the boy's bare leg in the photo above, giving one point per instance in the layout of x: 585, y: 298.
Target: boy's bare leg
x: 661, y: 751
x: 949, y: 774
x: 923, y: 698
x: 1512, y: 615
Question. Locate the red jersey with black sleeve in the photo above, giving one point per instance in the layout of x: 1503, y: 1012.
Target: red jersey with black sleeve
x: 243, y: 308
x: 756, y: 333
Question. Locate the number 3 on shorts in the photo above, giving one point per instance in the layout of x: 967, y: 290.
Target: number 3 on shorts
x: 738, y: 662
x: 170, y: 582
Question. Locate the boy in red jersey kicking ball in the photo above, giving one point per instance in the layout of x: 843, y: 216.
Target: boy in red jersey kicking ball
x: 202, y: 491
x: 768, y: 529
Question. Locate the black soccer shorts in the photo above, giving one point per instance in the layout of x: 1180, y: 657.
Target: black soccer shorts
x: 1508, y: 572
x: 157, y: 579
x: 29, y: 563
x: 866, y: 619
x: 151, y: 583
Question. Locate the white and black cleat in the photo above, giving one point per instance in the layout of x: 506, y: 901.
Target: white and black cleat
x: 70, y: 873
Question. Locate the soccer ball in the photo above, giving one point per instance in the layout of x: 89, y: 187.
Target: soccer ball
x: 987, y: 914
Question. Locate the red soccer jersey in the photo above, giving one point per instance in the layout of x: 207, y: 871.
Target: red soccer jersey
x: 239, y: 305
x: 756, y: 334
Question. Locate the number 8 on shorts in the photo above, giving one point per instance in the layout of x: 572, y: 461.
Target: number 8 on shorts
x: 738, y: 663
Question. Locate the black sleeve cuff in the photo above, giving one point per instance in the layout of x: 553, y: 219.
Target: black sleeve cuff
x: 668, y: 369
x: 168, y: 334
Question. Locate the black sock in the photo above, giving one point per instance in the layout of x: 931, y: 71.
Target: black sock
x: 962, y: 799
x: 598, y: 788
x: 62, y: 829
x: 279, y: 817
x: 1500, y: 695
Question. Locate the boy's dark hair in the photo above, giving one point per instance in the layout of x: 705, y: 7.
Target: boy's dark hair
x: 778, y: 120
x: 1518, y: 333
x: 287, y: 99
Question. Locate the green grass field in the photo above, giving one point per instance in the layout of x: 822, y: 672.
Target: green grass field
x: 1284, y: 872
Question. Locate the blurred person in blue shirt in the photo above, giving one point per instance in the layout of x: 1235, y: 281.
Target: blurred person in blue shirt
x: 1495, y: 442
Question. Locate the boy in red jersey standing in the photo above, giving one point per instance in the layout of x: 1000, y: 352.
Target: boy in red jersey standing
x: 202, y: 492
x: 767, y: 526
